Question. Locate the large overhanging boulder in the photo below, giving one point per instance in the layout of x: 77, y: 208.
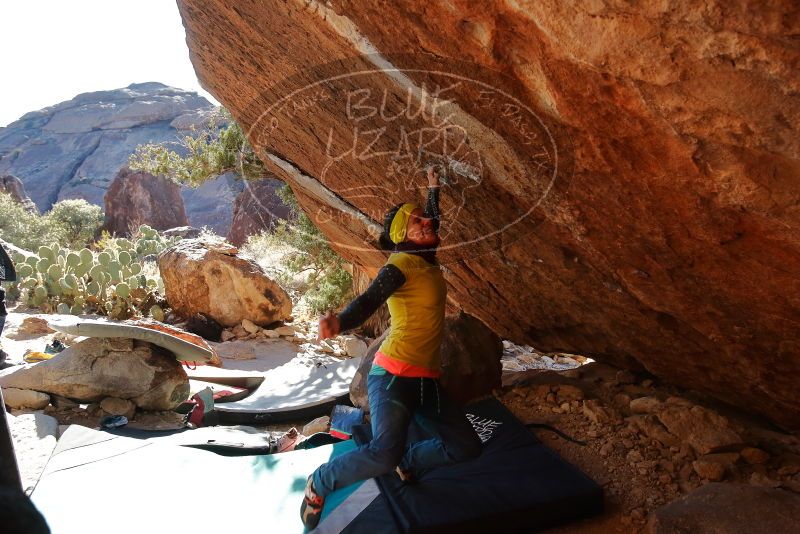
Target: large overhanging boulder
x: 210, y: 278
x: 636, y: 187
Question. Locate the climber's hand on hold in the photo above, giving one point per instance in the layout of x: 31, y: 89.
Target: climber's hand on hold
x: 328, y: 326
x: 433, y: 177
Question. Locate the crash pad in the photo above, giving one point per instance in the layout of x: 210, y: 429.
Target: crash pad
x: 221, y: 392
x: 181, y: 348
x: 517, y: 484
x: 228, y: 377
x: 230, y: 440
x: 292, y: 391
x: 99, y: 483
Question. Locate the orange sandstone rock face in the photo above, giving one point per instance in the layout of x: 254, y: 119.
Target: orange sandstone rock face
x: 623, y: 181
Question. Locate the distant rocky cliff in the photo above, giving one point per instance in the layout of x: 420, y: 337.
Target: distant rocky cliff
x: 75, y: 149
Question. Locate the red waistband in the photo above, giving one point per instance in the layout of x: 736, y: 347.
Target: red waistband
x: 400, y: 368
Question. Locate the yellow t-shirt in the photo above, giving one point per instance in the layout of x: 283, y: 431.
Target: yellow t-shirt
x: 417, y: 311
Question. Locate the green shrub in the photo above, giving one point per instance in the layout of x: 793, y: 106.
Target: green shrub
x: 306, y: 249
x: 70, y: 223
x: 77, y: 221
x: 22, y: 228
x: 209, y: 152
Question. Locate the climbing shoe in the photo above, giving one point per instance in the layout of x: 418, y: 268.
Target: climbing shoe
x: 311, y: 509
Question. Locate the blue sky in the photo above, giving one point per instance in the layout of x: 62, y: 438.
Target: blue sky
x: 51, y: 50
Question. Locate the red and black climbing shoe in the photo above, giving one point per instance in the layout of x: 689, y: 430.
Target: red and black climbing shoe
x: 311, y: 509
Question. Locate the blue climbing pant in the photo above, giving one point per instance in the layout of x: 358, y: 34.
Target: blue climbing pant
x: 395, y: 403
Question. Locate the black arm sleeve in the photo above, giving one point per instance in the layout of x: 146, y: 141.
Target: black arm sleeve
x: 388, y: 280
x: 432, y: 207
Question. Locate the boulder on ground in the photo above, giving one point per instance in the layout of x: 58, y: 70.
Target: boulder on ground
x: 718, y: 508
x: 96, y: 368
x: 25, y: 399
x: 470, y: 355
x: 136, y: 198
x: 201, y: 277
x: 256, y: 208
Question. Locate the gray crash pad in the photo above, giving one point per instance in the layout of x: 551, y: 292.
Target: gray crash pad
x: 292, y: 391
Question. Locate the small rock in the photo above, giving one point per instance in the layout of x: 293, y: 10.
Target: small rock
x: 686, y: 472
x: 622, y: 400
x: 320, y: 424
x: 788, y: 470
x: 703, y: 429
x: 726, y: 459
x: 754, y: 456
x: 644, y: 405
x: 653, y: 429
x: 239, y: 331
x: 250, y: 326
x: 272, y: 334
x: 678, y: 401
x: 284, y: 330
x: 568, y: 393
x: 595, y: 412
x: 325, y: 346
x: 116, y: 406
x: 646, y: 383
x: 634, y: 456
x: 227, y: 335
x: 353, y: 346
x: 62, y: 403
x: 625, y: 377
x: 664, y: 479
x: 21, y: 399
x: 708, y: 469
x: 762, y: 480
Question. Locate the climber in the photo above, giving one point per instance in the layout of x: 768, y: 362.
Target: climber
x: 7, y: 274
x: 402, y: 384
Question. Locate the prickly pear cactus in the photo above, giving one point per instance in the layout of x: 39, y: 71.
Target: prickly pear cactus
x: 108, y: 282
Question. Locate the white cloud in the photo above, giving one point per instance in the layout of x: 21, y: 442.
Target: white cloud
x: 52, y: 50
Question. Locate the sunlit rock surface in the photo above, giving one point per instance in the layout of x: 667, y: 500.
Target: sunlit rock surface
x: 628, y: 183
